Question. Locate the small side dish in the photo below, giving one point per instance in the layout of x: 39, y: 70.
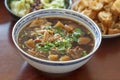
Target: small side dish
x: 106, y: 13
x: 56, y: 39
x: 23, y: 7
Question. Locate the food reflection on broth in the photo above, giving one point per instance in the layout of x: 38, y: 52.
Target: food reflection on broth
x: 56, y: 39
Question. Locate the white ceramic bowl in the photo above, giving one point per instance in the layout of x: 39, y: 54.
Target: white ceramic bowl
x: 57, y: 66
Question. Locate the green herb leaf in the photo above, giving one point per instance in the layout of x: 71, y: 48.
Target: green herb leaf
x: 76, y: 34
x: 59, y: 31
x: 84, y: 53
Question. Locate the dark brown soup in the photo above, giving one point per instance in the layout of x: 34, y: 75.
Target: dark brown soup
x: 56, y: 39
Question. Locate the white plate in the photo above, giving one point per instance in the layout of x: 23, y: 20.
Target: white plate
x: 111, y: 36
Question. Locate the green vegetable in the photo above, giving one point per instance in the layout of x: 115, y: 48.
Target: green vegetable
x: 76, y: 34
x: 46, y: 46
x: 53, y: 3
x: 20, y: 7
x: 60, y: 45
x: 59, y: 31
x: 48, y: 27
x: 39, y: 34
x: 84, y: 53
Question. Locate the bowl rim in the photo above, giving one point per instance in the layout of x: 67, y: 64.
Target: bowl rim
x: 6, y: 5
x: 57, y: 62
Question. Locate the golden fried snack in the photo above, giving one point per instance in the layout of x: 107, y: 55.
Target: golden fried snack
x: 90, y: 13
x: 103, y: 29
x: 106, y: 13
x: 113, y: 31
x: 80, y: 5
x: 116, y: 7
x: 117, y: 25
x: 107, y: 7
x: 105, y: 18
x: 106, y: 1
x: 95, y: 5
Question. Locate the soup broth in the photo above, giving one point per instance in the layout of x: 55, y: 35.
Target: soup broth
x: 56, y: 39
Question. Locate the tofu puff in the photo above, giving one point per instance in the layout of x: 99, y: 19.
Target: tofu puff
x: 104, y: 12
x: 116, y: 7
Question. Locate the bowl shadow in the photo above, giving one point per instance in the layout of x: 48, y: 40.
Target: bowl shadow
x: 28, y: 72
